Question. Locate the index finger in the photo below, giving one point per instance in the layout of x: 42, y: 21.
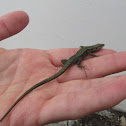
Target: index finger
x: 56, y: 55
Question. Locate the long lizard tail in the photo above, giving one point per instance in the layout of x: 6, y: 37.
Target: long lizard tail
x: 34, y: 87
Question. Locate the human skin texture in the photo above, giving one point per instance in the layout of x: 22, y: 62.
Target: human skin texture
x: 71, y: 96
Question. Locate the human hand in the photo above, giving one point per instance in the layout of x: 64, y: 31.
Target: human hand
x: 71, y: 96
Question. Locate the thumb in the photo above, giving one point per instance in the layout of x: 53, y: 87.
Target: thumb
x: 12, y: 23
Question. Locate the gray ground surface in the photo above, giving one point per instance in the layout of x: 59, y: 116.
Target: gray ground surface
x: 103, y: 118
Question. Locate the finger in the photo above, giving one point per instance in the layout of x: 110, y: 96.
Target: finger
x: 79, y: 104
x: 12, y: 23
x: 98, y: 67
x: 81, y: 85
x: 56, y: 55
x: 106, y: 65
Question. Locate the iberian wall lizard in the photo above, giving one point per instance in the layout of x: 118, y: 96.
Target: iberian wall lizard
x: 75, y: 59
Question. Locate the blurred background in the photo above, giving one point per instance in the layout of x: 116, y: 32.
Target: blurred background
x: 68, y: 24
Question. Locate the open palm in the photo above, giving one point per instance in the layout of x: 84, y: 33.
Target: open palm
x: 70, y: 96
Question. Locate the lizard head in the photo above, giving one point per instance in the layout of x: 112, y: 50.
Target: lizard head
x: 97, y: 47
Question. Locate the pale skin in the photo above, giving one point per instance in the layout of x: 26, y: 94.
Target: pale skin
x: 71, y: 96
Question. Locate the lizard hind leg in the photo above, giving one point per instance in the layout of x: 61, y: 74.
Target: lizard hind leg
x: 81, y: 66
x: 63, y: 62
x: 84, y: 69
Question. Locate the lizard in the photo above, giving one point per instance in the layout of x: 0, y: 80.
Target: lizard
x: 75, y: 59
